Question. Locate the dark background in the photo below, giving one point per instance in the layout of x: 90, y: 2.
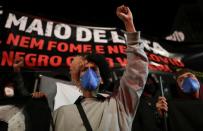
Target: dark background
x: 152, y: 17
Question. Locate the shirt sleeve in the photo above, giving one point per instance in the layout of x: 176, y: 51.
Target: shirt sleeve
x: 133, y: 80
x: 19, y: 83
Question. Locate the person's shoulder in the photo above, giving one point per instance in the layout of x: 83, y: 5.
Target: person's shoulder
x: 65, y: 108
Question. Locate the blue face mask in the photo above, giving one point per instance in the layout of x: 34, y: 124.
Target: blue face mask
x: 190, y: 85
x: 90, y: 80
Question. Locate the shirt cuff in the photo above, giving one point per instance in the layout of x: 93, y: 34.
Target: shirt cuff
x: 133, y: 38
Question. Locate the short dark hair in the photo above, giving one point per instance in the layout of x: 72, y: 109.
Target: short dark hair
x: 103, y: 66
x: 182, y: 71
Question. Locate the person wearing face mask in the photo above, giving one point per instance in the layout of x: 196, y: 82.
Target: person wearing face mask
x: 9, y: 90
x: 90, y: 73
x: 11, y: 113
x: 187, y: 89
x: 188, y: 84
x: 19, y: 109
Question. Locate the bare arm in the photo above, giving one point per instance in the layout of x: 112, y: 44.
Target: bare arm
x: 124, y: 13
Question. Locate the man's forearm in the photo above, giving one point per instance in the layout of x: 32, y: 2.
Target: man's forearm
x: 129, y: 26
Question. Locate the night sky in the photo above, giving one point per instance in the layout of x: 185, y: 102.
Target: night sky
x: 152, y: 17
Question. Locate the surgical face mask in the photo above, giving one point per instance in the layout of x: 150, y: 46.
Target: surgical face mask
x: 90, y: 80
x: 190, y: 85
x: 9, y: 91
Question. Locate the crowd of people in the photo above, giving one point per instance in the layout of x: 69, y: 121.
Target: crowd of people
x: 135, y: 105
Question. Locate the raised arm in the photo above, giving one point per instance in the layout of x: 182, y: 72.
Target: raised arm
x: 19, y: 82
x: 135, y: 75
x: 124, y: 13
x: 18, y: 78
